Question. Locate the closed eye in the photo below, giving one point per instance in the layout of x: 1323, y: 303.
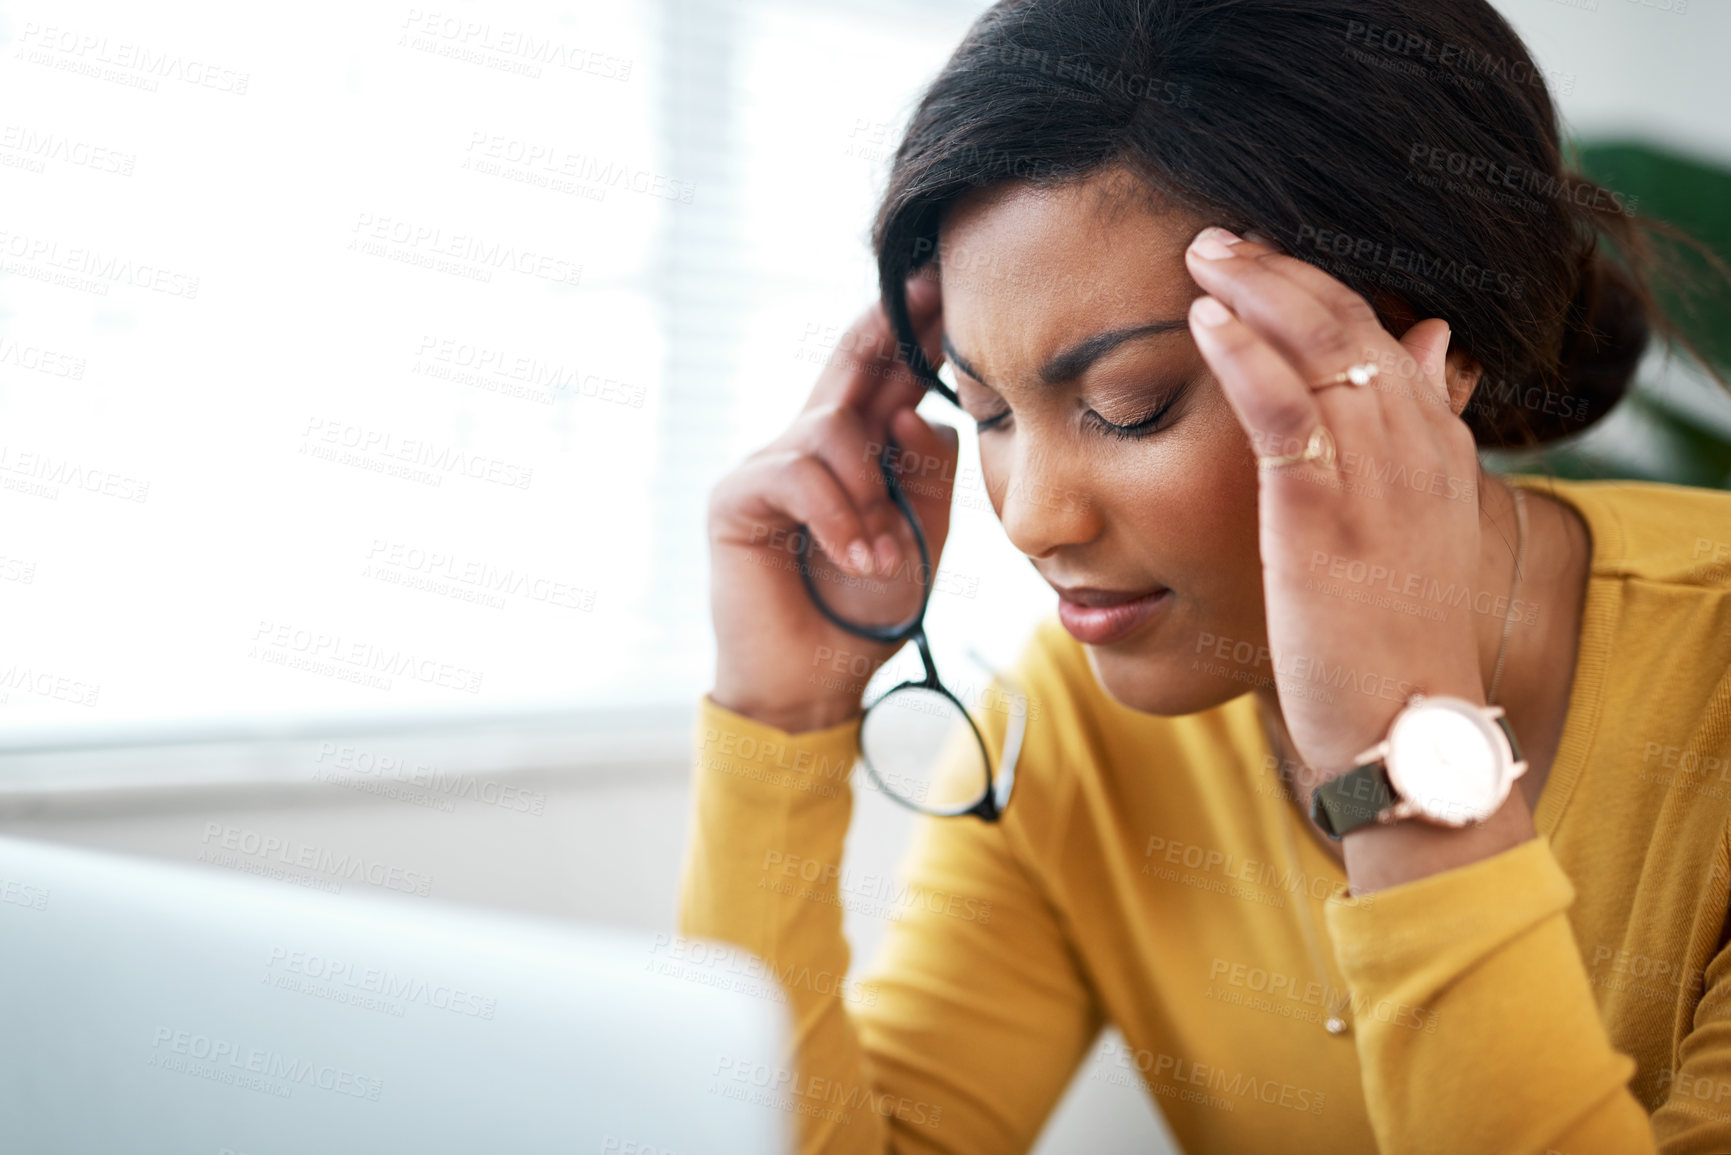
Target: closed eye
x: 1146, y: 426
x: 1134, y: 431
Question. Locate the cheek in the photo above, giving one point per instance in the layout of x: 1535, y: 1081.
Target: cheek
x: 1184, y: 501
x: 1219, y: 483
x: 1191, y: 496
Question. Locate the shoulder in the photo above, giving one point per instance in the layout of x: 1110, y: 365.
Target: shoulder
x: 1645, y: 732
x: 1650, y: 530
x: 1657, y: 617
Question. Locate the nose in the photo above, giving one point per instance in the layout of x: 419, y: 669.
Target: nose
x: 1043, y: 505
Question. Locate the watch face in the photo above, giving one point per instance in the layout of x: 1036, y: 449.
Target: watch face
x: 1443, y: 758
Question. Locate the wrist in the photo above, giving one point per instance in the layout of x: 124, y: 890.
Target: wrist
x: 789, y: 717
x: 1378, y: 857
x: 1370, y: 726
x: 1437, y: 792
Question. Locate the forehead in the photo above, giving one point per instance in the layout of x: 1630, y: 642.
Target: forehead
x: 1028, y: 270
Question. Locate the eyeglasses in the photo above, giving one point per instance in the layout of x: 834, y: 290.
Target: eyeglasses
x: 919, y: 743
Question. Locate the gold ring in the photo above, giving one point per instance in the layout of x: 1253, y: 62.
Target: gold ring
x: 1320, y: 448
x: 1354, y: 375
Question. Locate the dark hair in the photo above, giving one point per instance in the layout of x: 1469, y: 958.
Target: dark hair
x: 1410, y: 149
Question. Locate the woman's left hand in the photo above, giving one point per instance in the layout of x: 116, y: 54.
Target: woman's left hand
x: 1396, y: 519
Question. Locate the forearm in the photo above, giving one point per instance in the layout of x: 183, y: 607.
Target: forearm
x: 1477, y: 1027
x: 771, y: 813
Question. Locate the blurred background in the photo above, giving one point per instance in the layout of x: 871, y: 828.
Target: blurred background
x: 364, y: 370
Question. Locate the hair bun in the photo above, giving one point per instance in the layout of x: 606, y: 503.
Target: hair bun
x: 1604, y: 336
x: 1605, y: 332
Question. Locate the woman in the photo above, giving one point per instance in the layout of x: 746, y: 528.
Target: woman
x: 1234, y: 290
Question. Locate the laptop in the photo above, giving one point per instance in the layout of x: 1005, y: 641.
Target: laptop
x: 159, y: 1008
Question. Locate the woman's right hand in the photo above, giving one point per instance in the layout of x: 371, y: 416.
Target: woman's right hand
x: 778, y: 659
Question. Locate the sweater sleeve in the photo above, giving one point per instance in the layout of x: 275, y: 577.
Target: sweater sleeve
x: 974, y: 1015
x: 1476, y: 1024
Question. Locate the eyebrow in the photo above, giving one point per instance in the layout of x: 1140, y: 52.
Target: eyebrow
x: 1075, y: 360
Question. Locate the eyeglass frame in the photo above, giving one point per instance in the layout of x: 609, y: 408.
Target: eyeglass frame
x: 995, y: 798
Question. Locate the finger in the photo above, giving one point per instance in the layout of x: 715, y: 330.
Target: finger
x: 865, y: 370
x: 1273, y: 404
x: 1321, y: 284
x: 925, y: 443
x: 841, y: 439
x: 1426, y: 372
x: 1421, y: 411
x: 1321, y: 325
x: 1418, y: 375
x: 925, y: 310
x: 857, y: 364
x: 925, y: 301
x: 1427, y: 343
x: 1421, y: 374
x: 926, y: 466
x: 1411, y: 373
x: 792, y: 486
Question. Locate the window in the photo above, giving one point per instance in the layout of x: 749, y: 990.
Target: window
x: 379, y: 367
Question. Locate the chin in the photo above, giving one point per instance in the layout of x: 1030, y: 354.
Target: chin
x: 1161, y: 682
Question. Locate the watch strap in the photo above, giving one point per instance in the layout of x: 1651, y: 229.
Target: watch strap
x: 1502, y: 721
x: 1341, y: 805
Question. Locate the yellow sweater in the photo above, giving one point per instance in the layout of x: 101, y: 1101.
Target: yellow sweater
x: 1570, y: 995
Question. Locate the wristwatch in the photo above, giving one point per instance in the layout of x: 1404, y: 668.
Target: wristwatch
x: 1446, y: 761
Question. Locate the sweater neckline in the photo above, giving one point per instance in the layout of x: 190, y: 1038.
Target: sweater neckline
x: 1605, y: 545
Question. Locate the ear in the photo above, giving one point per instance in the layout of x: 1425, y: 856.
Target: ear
x: 1462, y: 371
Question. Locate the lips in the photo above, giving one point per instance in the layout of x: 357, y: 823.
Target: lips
x: 1099, y: 617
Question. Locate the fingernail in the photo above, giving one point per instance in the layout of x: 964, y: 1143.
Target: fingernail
x: 888, y: 554
x: 860, y: 555
x: 1210, y: 312
x: 1213, y: 243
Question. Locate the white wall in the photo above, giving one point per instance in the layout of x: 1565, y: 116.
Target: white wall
x: 1640, y: 67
